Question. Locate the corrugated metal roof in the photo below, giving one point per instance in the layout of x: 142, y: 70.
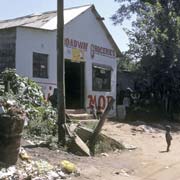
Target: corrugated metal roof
x: 47, y: 20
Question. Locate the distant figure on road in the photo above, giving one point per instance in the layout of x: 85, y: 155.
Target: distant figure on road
x: 168, y: 137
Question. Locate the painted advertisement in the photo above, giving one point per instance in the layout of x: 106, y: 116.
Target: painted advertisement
x: 98, y: 101
x: 78, y: 55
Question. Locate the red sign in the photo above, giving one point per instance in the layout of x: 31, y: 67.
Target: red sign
x: 101, y: 101
x: 75, y: 44
x: 102, y: 51
x: 94, y: 49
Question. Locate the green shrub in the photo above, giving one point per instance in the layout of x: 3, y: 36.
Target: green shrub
x: 28, y: 95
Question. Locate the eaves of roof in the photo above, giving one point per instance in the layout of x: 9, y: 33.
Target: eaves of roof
x: 108, y: 35
x: 98, y: 17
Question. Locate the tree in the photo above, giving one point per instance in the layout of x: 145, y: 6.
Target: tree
x: 156, y: 29
x: 155, y: 42
x: 125, y: 63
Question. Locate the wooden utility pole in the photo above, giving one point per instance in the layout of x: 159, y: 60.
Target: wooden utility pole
x: 61, y: 73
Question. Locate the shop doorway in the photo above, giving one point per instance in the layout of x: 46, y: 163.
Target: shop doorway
x: 74, y: 85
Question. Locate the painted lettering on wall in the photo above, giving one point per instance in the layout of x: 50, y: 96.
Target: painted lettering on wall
x: 94, y: 49
x: 100, y: 101
x: 71, y: 43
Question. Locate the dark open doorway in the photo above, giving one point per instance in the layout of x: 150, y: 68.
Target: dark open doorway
x: 74, y: 85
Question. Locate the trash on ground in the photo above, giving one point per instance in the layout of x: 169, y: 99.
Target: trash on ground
x: 68, y: 166
x: 23, y: 155
x: 39, y: 170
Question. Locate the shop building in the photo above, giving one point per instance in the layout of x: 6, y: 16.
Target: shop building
x: 29, y: 45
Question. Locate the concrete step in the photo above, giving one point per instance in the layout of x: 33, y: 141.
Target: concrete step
x: 78, y: 114
x: 90, y: 120
x: 75, y: 111
x: 84, y: 116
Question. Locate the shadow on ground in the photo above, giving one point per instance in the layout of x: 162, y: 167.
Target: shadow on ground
x: 156, y: 123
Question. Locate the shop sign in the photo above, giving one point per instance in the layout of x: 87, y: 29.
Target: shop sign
x: 78, y: 55
x: 94, y: 49
x: 71, y: 43
x: 101, y: 101
x: 83, y: 46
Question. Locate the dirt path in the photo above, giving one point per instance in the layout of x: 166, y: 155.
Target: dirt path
x: 148, y: 162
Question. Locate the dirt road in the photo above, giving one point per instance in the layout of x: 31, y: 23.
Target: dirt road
x: 148, y: 162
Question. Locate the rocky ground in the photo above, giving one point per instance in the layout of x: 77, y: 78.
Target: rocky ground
x: 146, y: 158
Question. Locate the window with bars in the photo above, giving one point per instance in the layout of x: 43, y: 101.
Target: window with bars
x: 40, y: 65
x: 101, y: 78
x: 7, y: 59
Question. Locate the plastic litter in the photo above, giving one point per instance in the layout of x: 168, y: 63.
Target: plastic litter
x: 68, y: 166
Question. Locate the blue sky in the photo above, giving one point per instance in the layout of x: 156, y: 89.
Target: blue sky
x: 16, y: 8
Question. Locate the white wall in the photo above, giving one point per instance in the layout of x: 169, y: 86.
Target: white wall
x: 83, y: 28
x: 34, y: 40
x: 86, y: 28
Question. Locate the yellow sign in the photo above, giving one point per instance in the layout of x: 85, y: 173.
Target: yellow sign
x: 77, y: 55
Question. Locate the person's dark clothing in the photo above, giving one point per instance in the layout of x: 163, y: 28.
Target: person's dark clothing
x: 168, y: 138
